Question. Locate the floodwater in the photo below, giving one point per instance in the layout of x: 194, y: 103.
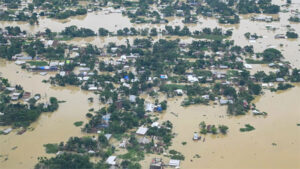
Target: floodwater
x: 115, y: 21
x: 50, y: 127
x: 235, y: 150
x: 247, y: 150
x: 93, y: 21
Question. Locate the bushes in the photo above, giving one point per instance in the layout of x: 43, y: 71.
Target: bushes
x: 194, y: 100
x: 292, y: 35
x: 51, y: 148
x: 282, y: 86
x: 295, y: 75
x: 223, y: 129
x: 176, y: 155
x: 53, y: 105
x: 103, y: 32
x: 78, y: 123
x: 247, y: 128
x: 294, y: 19
x: 204, y: 129
x: 73, y: 31
x: 68, y: 13
x: 271, y: 9
x: 254, y: 88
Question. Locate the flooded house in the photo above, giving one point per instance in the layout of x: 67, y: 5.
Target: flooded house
x: 247, y: 66
x: 132, y: 98
x: 43, y: 68
x: 11, y: 89
x: 280, y: 79
x: 26, y: 96
x: 256, y: 112
x: 142, y: 130
x: 206, y: 97
x: 15, y: 96
x: 7, y: 131
x: 149, y: 107
x: 174, y: 163
x: 157, y: 163
x: 21, y: 57
x: 111, y: 160
x: 164, y: 77
x: 108, y: 136
x: 280, y: 36
x: 37, y: 97
x: 262, y: 18
x: 179, y: 92
x: 92, y: 88
x: 143, y: 140
x: 225, y: 101
x: 51, y: 43
x: 192, y: 79
x: 179, y: 12
x: 196, y: 136
x: 223, y: 67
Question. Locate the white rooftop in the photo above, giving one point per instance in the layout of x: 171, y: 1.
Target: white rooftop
x: 175, y: 163
x: 111, y: 160
x: 142, y: 130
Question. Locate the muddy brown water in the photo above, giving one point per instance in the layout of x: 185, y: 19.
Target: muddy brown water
x: 247, y: 150
x: 235, y: 150
x: 50, y: 127
x: 115, y: 21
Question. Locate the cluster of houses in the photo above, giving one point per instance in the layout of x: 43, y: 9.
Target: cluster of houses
x: 156, y: 163
x: 142, y: 139
x: 23, y: 5
x: 262, y: 18
x: 16, y: 95
x: 6, y: 34
x: 295, y: 13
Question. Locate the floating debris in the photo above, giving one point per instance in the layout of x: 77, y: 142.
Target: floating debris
x: 174, y: 114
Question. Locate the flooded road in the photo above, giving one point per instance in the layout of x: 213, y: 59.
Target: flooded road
x: 50, y: 127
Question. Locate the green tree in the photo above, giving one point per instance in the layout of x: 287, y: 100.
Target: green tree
x: 271, y: 55
x: 65, y: 161
x: 292, y: 35
x: 213, y: 129
x: 223, y: 129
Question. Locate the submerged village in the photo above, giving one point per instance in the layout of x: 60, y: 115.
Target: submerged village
x: 136, y: 84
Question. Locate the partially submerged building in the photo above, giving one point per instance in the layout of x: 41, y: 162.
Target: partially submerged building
x: 157, y: 163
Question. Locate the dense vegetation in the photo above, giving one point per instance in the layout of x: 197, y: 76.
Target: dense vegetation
x: 207, y: 71
x: 18, y: 114
x: 65, y: 161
